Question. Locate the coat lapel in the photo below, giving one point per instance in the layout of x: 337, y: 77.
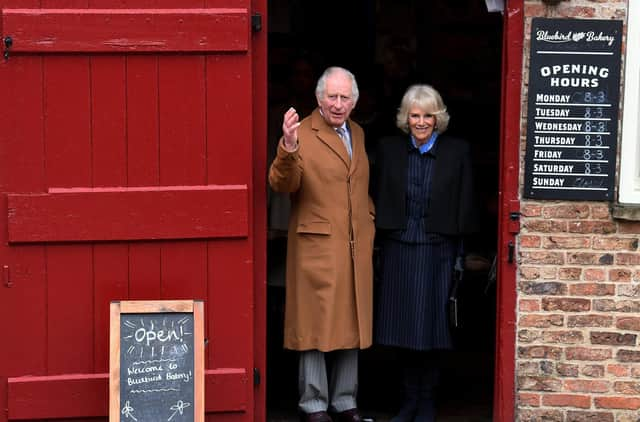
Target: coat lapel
x: 328, y: 136
x: 357, y: 146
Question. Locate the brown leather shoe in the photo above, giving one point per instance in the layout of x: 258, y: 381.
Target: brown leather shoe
x: 315, y: 417
x: 351, y: 415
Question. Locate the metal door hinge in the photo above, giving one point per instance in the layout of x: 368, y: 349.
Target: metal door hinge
x: 514, y: 216
x: 6, y: 276
x: 256, y: 376
x: 256, y: 22
x: 8, y: 43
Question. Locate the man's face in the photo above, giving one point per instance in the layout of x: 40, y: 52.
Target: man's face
x: 337, y: 101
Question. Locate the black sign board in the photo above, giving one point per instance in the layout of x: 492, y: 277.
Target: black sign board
x: 572, y: 118
x: 155, y: 363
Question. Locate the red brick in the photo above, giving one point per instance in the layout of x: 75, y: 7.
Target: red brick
x: 564, y: 337
x: 529, y: 273
x: 627, y: 259
x: 540, y: 352
x: 586, y: 353
x: 566, y: 242
x: 570, y: 273
x: 628, y: 323
x: 530, y: 241
x: 539, y: 415
x: 593, y: 371
x: 578, y: 11
x: 529, y: 399
x: 620, y: 371
x: 613, y: 339
x: 566, y: 211
x: 629, y: 403
x: 528, y: 336
x: 620, y: 275
x: 566, y: 304
x: 629, y: 290
x: 587, y: 386
x: 600, y: 211
x: 582, y: 416
x: 529, y: 305
x: 615, y: 243
x: 539, y: 384
x: 629, y: 227
x: 591, y: 227
x: 566, y: 400
x: 529, y: 367
x: 589, y: 258
x: 545, y: 288
x: 608, y: 305
x: 595, y: 274
x: 592, y: 289
x: 628, y: 356
x: 544, y: 226
x: 531, y: 210
x: 541, y: 258
x: 541, y: 321
x: 589, y: 321
x: 635, y: 371
x: 627, y: 387
x: 567, y: 369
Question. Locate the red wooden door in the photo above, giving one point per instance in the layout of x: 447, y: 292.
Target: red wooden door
x: 130, y: 135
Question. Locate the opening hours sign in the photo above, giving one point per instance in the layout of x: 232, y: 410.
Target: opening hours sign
x: 572, y: 117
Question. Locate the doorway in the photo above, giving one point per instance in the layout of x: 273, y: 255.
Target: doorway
x: 388, y: 45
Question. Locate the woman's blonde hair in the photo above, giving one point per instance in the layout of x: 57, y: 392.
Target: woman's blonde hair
x: 426, y: 98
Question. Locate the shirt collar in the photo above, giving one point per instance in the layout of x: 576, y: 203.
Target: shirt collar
x: 427, y: 146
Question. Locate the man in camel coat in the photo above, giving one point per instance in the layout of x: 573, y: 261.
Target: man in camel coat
x: 321, y: 161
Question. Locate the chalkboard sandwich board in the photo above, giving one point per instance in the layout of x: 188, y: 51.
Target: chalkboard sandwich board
x: 156, y: 361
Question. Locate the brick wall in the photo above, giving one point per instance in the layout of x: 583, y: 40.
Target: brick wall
x: 578, y: 329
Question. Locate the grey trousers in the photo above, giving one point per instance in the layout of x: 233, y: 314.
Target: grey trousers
x: 316, y: 394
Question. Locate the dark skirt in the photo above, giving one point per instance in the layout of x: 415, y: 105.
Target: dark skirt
x: 412, y: 295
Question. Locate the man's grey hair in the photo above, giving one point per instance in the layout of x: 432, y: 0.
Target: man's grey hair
x: 322, y: 82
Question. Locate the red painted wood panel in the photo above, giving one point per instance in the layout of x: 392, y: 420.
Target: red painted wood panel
x: 21, y: 168
x: 69, y: 309
x: 184, y: 270
x: 182, y: 149
x: 128, y: 214
x: 230, y: 289
x: 110, y: 282
x: 182, y: 120
x: 143, y: 166
x: 67, y: 128
x: 109, y: 168
x: 87, y: 395
x: 229, y: 89
x: 126, y: 30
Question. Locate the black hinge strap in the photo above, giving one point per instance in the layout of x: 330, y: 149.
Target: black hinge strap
x: 256, y: 22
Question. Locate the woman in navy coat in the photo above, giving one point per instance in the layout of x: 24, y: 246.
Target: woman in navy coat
x: 422, y: 188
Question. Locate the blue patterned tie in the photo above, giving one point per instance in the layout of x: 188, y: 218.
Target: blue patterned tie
x: 345, y: 139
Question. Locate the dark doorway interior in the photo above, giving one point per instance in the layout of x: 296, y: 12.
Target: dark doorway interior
x: 388, y: 45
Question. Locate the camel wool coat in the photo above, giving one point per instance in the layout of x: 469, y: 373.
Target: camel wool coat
x: 329, y: 290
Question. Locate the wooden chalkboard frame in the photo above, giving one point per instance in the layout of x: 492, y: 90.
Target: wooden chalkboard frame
x: 157, y: 306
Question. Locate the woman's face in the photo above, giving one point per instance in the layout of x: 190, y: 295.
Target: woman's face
x: 421, y: 124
